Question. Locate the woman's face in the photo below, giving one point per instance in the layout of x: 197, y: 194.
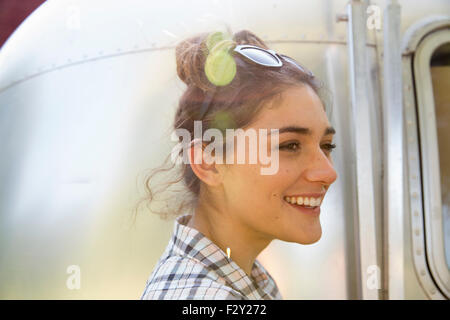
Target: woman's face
x: 264, y: 203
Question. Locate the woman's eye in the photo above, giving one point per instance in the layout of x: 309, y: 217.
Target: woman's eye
x: 293, y: 146
x: 329, y: 146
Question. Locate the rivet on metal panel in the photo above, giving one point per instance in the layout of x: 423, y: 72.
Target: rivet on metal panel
x: 418, y: 252
x: 422, y: 272
x: 414, y: 177
x: 411, y: 139
x: 417, y: 232
x: 414, y: 194
x: 416, y: 213
x: 341, y: 17
x: 432, y: 291
x: 409, y: 122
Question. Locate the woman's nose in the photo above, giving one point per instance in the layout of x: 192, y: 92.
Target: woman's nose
x: 321, y: 169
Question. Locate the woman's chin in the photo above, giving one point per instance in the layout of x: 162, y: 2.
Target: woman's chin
x: 312, y: 239
x: 305, y: 236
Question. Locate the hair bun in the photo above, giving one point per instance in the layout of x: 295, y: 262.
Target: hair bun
x: 190, y: 58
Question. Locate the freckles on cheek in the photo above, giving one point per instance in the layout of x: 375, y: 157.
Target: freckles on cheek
x: 287, y: 171
x: 275, y: 198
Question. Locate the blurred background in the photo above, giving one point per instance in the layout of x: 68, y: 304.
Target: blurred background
x: 88, y: 91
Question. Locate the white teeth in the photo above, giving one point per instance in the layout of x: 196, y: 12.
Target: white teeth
x: 312, y: 202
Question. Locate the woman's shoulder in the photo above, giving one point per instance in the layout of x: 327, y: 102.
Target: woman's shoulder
x: 183, y: 278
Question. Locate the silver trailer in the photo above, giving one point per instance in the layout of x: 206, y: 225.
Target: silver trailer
x: 88, y: 90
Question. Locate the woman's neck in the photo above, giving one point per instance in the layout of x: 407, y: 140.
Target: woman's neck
x: 228, y: 231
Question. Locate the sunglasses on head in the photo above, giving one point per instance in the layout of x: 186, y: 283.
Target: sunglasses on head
x: 268, y: 58
x: 260, y: 56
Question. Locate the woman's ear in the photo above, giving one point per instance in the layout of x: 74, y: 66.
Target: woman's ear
x: 202, y: 165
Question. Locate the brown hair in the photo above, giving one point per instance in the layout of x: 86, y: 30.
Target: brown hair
x: 232, y: 106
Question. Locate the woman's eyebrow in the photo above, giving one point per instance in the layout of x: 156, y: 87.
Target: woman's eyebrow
x: 305, y: 131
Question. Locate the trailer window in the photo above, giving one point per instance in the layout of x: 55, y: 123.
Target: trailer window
x: 440, y: 75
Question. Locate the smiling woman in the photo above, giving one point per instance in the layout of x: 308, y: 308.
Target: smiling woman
x: 235, y: 208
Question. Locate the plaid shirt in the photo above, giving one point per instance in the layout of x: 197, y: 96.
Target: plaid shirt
x: 193, y: 267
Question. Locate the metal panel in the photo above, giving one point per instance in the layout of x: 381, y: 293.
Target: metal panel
x: 362, y: 137
x: 393, y: 164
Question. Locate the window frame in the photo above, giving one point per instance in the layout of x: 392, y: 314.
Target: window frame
x: 432, y: 226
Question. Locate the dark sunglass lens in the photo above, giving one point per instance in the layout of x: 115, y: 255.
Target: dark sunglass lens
x: 261, y: 57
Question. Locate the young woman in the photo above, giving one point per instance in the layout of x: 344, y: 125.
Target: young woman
x: 236, y: 82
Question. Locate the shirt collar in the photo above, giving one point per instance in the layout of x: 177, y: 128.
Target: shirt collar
x: 190, y: 242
